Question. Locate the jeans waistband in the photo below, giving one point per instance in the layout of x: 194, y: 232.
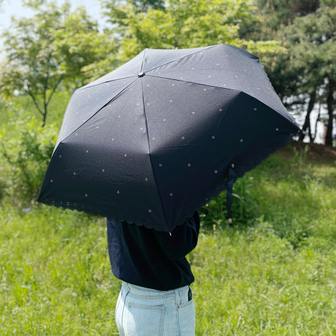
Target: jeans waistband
x: 180, y: 293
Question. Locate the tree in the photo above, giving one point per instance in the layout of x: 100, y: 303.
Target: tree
x: 140, y: 5
x: 80, y: 46
x: 183, y: 24
x: 300, y: 75
x: 283, y: 12
x: 311, y: 41
x: 49, y: 49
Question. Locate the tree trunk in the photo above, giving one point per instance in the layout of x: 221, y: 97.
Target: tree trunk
x: 44, y: 116
x: 330, y: 109
x: 306, y: 124
x: 316, y: 122
x: 45, y: 109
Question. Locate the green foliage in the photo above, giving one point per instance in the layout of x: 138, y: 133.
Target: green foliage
x: 79, y: 45
x: 184, y: 24
x: 140, y: 5
x: 283, y: 12
x: 24, y: 159
x: 312, y: 43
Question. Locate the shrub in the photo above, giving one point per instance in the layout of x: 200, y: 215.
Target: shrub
x: 25, y: 150
x: 244, y: 205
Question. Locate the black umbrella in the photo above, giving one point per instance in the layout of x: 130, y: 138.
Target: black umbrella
x: 155, y: 139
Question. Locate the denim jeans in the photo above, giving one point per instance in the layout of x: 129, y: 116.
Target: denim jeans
x: 144, y: 311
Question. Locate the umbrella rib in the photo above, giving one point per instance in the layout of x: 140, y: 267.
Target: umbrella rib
x: 88, y: 86
x: 185, y: 81
x: 179, y: 58
x: 111, y: 100
x: 149, y: 155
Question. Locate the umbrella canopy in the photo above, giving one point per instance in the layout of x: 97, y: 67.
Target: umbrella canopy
x: 155, y: 139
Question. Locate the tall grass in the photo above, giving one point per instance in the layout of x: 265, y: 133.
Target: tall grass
x: 273, y: 274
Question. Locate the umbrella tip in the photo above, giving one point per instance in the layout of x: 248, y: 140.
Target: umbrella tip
x: 141, y: 74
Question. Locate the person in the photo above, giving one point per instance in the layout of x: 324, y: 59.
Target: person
x: 155, y: 297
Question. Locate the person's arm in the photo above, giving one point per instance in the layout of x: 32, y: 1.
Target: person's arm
x: 183, y: 238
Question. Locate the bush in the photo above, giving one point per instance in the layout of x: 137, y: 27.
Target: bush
x: 244, y: 205
x: 25, y: 153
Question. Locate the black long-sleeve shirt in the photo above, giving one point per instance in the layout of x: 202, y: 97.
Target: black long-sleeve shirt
x: 150, y: 258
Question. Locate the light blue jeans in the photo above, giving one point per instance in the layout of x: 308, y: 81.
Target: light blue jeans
x: 144, y: 311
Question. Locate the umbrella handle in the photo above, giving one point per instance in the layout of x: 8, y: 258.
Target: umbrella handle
x: 229, y: 187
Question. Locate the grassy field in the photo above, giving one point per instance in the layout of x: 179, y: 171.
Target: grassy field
x: 272, y: 273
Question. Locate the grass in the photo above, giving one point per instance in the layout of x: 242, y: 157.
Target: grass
x: 272, y: 273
